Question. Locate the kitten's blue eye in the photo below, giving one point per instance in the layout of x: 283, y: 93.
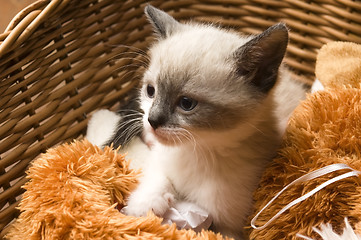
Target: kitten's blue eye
x: 150, y: 91
x: 187, y: 104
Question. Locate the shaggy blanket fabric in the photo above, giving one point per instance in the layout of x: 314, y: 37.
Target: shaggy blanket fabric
x: 325, y: 129
x: 75, y: 191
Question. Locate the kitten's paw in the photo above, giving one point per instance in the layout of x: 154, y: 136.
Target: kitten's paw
x: 140, y: 205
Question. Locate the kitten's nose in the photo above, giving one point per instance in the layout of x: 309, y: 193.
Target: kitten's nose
x: 156, y: 122
x: 153, y: 123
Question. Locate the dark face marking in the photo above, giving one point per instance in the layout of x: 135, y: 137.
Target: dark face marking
x: 174, y: 107
x: 161, y: 113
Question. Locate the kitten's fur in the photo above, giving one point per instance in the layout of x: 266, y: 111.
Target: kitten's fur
x: 211, y: 147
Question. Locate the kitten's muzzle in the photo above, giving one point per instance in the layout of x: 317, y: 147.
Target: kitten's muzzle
x: 156, y: 121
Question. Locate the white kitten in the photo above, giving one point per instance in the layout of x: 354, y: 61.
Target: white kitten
x: 208, y: 103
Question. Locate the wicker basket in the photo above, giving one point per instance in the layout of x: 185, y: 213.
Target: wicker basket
x: 60, y: 60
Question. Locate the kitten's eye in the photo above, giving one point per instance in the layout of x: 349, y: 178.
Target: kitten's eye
x: 187, y: 104
x: 150, y: 91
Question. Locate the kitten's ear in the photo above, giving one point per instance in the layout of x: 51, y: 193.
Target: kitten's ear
x: 164, y: 24
x: 260, y: 58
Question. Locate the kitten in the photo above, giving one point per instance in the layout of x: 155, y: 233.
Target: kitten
x: 214, y: 105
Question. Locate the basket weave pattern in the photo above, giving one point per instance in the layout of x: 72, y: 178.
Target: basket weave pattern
x: 60, y: 60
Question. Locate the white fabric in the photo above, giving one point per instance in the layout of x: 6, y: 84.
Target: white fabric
x: 187, y: 215
x: 327, y: 233
x: 317, y: 86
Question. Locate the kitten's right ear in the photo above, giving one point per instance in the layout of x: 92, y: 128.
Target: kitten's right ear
x: 164, y: 24
x: 261, y: 57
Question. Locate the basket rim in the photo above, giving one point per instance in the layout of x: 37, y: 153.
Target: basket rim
x: 26, y: 22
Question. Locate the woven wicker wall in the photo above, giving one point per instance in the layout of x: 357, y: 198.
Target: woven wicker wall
x: 61, y: 60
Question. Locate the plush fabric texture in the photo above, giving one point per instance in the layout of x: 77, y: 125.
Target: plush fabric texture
x: 325, y: 129
x: 73, y: 193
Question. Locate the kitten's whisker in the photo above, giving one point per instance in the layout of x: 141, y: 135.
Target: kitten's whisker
x: 129, y: 131
x: 177, y: 138
x: 190, y: 137
x: 128, y: 55
x: 132, y: 131
x: 135, y: 73
x: 177, y: 133
x: 131, y: 53
x: 207, y: 157
x: 129, y: 110
x: 129, y: 72
x: 129, y: 58
x: 128, y: 65
x: 174, y: 137
x: 198, y: 150
x: 132, y: 115
x: 120, y: 136
x: 135, y: 50
x: 132, y: 48
x: 181, y: 136
x: 127, y: 122
x: 253, y: 126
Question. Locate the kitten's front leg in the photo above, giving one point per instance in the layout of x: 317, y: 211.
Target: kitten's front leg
x: 155, y: 192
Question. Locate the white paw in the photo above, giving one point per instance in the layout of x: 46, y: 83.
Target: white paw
x: 140, y: 204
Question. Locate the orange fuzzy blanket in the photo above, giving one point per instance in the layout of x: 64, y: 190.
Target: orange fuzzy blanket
x: 325, y: 129
x: 73, y: 193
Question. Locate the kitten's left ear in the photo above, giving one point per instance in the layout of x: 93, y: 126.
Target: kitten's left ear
x: 164, y: 24
x: 260, y: 58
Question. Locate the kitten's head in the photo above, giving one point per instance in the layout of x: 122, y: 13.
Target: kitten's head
x: 202, y: 78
